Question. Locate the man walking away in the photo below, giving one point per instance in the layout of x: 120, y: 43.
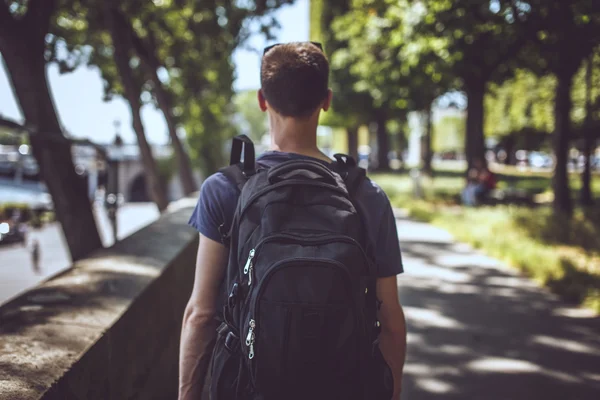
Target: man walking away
x: 35, y: 256
x: 295, y: 293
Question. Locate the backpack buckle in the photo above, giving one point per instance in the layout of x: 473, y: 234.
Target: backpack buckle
x: 231, y: 300
x: 224, y: 235
x: 231, y: 341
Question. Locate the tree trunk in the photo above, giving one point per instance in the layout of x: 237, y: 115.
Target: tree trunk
x: 426, y: 150
x: 562, y: 131
x: 132, y: 94
x: 401, y: 139
x: 474, y: 140
x: 151, y: 64
x: 509, y: 147
x: 23, y: 55
x: 183, y: 160
x: 212, y: 160
x: 588, y: 139
x: 383, y: 146
x: 352, y: 134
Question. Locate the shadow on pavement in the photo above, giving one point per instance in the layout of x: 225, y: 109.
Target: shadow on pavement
x: 479, y: 331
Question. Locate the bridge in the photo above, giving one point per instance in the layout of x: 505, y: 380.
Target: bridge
x: 19, y: 169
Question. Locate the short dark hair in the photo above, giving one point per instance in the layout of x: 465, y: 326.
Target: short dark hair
x: 294, y: 78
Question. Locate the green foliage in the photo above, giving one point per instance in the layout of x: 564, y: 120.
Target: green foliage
x: 567, y: 270
x: 578, y: 94
x: 47, y: 217
x: 317, y: 12
x: 582, y: 231
x: 252, y: 121
x: 475, y: 39
x: 8, y: 209
x: 33, y: 217
x: 449, y: 134
x: 379, y: 56
x: 349, y: 108
x: 192, y: 43
x: 166, y: 168
x: 526, y: 101
x: 560, y: 24
x: 9, y: 138
x: 567, y: 260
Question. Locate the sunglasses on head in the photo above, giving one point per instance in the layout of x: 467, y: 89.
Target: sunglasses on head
x: 319, y: 45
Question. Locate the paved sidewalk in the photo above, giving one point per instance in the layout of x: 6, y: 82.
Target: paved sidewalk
x: 478, y: 330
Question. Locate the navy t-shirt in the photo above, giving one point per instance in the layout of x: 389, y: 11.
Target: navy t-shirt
x: 218, y: 200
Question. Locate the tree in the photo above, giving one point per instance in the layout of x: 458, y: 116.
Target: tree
x: 449, y: 134
x: 91, y: 34
x: 360, y: 30
x: 379, y: 58
x: 525, y: 101
x: 477, y: 41
x: 151, y: 65
x: 350, y: 108
x: 253, y: 121
x: 8, y: 137
x: 121, y: 42
x: 589, y: 139
x: 565, y: 23
x: 196, y: 41
x: 23, y: 31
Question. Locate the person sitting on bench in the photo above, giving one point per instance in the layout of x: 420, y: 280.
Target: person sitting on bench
x: 480, y: 182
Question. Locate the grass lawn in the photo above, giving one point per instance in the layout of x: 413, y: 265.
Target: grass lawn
x: 560, y: 254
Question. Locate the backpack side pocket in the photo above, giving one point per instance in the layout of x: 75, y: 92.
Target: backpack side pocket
x: 225, y: 365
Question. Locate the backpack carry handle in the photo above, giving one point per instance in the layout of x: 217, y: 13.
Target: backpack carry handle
x: 239, y: 142
x: 303, y: 169
x: 345, y: 159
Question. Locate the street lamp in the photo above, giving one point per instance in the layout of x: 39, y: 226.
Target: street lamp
x: 112, y: 190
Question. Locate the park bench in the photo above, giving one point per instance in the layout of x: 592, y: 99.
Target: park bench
x: 510, y: 195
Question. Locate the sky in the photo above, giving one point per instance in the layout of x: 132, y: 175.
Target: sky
x: 78, y: 95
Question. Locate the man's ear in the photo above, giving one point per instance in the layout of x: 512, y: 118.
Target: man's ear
x: 262, y: 102
x: 327, y: 102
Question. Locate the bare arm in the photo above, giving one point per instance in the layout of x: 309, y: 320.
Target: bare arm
x: 392, y: 339
x: 198, y: 331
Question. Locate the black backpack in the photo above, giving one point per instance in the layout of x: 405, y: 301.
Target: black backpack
x: 299, y: 316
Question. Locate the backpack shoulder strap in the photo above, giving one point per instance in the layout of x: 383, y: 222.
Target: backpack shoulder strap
x: 235, y: 175
x: 352, y: 174
x: 240, y: 170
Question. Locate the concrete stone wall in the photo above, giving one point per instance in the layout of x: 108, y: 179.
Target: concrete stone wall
x: 109, y: 327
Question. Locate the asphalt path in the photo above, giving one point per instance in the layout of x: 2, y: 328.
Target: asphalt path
x: 477, y: 329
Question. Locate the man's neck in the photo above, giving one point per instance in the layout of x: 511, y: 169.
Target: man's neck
x: 295, y: 136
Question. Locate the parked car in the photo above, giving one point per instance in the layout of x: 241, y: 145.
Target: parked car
x: 11, y: 232
x: 595, y: 163
x: 540, y: 160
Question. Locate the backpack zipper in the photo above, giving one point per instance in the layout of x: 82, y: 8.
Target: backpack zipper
x: 248, y: 266
x: 250, y: 338
x: 328, y: 238
x: 253, y: 323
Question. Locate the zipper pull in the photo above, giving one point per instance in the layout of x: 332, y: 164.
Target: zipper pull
x: 250, y: 336
x: 249, y: 262
x: 250, y: 339
x: 250, y: 274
